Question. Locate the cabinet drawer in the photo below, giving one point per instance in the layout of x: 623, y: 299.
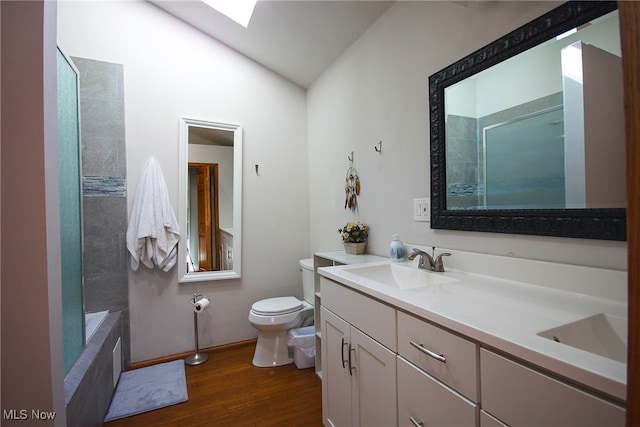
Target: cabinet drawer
x: 458, y: 371
x: 486, y: 420
x: 370, y: 316
x: 518, y: 395
x: 427, y: 401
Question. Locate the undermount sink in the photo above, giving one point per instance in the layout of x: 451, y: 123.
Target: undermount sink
x: 601, y: 334
x: 400, y: 276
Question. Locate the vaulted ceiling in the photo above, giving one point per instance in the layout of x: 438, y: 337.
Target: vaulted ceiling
x: 297, y: 39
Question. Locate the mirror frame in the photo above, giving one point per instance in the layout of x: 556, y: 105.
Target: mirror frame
x: 603, y: 224
x: 201, y: 276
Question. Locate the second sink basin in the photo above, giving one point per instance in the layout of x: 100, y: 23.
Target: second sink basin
x: 400, y: 276
x: 601, y: 334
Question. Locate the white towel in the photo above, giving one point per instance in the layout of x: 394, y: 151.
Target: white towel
x: 153, y: 232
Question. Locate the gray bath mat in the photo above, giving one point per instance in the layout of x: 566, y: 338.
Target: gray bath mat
x: 149, y: 388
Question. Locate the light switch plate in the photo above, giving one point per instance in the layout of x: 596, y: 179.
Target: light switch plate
x: 422, y: 209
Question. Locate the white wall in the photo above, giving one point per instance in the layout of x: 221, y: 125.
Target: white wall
x: 171, y: 69
x: 377, y: 91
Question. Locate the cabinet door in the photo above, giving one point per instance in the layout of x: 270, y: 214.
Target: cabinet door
x: 336, y: 378
x: 422, y: 400
x: 374, y: 395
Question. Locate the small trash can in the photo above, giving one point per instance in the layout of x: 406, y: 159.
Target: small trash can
x: 303, y: 342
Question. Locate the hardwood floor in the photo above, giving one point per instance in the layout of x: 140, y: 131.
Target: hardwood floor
x: 228, y: 390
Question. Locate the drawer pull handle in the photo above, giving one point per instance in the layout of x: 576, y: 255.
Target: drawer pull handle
x: 416, y: 423
x: 351, y: 367
x: 439, y: 357
x: 342, y: 353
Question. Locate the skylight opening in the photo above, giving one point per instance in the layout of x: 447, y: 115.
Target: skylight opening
x: 238, y: 10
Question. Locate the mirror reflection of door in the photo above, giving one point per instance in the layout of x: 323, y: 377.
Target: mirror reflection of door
x: 210, y: 199
x: 204, y: 224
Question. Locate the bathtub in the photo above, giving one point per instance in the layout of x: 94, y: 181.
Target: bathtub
x: 92, y: 322
x: 90, y: 383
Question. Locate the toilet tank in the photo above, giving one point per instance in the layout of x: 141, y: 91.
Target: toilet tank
x: 306, y: 266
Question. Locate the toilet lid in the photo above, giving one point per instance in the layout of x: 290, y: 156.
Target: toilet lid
x: 278, y: 305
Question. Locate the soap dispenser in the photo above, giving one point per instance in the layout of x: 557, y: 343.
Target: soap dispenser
x: 396, y: 249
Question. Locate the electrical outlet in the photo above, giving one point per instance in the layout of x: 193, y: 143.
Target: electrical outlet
x: 422, y: 209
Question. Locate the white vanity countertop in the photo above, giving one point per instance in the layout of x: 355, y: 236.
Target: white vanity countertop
x: 506, y: 315
x: 341, y: 257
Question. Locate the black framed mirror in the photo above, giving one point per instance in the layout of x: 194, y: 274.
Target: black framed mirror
x: 470, y: 195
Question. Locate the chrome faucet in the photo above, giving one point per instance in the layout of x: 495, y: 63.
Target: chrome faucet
x: 434, y: 264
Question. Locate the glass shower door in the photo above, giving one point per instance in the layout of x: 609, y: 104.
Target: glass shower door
x: 70, y: 210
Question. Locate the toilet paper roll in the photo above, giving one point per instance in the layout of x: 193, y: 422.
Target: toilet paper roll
x: 201, y: 305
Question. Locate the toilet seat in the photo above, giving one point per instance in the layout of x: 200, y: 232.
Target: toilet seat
x: 277, y: 306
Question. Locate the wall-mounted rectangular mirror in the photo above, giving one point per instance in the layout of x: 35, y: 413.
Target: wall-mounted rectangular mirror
x: 527, y: 133
x: 210, y: 200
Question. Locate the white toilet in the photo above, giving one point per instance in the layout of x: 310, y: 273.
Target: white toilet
x: 273, y: 317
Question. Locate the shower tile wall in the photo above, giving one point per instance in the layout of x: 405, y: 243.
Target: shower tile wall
x: 104, y: 191
x: 463, y: 162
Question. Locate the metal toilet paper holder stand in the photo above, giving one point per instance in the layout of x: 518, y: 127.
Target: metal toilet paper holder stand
x: 197, y: 357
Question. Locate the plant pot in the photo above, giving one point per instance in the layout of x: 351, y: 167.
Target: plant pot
x: 354, y: 248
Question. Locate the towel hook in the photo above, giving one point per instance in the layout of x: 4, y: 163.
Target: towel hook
x: 351, y: 157
x: 257, y: 170
x: 378, y: 147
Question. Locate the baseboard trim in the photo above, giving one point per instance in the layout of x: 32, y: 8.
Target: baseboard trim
x: 170, y: 358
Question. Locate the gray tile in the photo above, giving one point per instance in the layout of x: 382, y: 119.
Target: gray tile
x: 104, y: 213
x: 104, y: 216
x: 103, y: 156
x: 99, y: 79
x: 102, y: 257
x: 106, y: 292
x: 104, y: 186
x: 101, y: 119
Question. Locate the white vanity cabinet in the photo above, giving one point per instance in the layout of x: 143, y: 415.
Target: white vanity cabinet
x: 520, y: 396
x: 437, y: 375
x: 424, y: 401
x: 487, y: 420
x: 328, y: 259
x: 447, y: 357
x: 386, y: 354
x: 359, y: 372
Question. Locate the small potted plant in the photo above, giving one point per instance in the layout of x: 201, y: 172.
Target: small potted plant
x: 354, y: 237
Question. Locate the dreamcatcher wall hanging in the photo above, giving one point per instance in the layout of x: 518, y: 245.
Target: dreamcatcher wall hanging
x: 351, y: 187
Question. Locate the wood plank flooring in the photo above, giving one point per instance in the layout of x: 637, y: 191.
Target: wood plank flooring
x: 228, y: 390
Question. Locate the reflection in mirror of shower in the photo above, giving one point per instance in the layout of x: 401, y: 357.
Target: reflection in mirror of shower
x: 510, y: 159
x: 525, y: 163
x: 92, y: 323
